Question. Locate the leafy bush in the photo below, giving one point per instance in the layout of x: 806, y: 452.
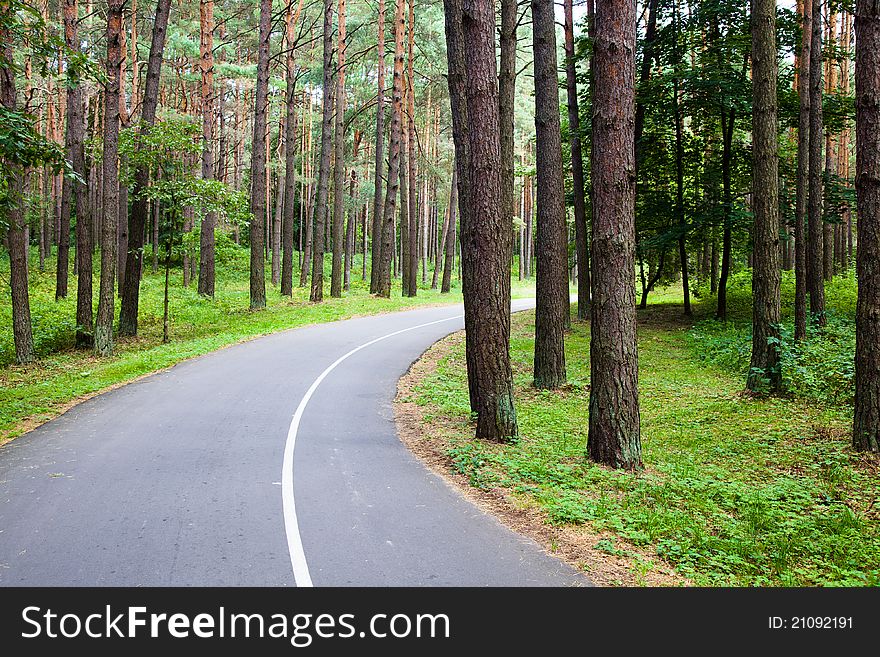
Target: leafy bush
x: 54, y: 328
x: 821, y: 367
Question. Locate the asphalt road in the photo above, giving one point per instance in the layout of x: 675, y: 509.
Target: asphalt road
x: 256, y: 465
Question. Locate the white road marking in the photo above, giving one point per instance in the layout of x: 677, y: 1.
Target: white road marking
x: 294, y: 541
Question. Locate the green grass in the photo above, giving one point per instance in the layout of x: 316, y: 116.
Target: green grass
x: 34, y: 393
x: 737, y: 490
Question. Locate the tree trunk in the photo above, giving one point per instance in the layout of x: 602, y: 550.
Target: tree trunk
x: 206, y: 236
x: 815, y: 243
x: 137, y: 220
x: 507, y: 107
x: 337, y: 274
x: 73, y: 149
x: 802, y: 192
x: 582, y: 240
x: 449, y: 236
x: 679, y: 174
x: 412, y: 173
x: 486, y: 240
x: 387, y: 250
x: 552, y: 243
x: 765, y: 367
x: 866, y: 419
x: 320, y: 206
x: 456, y: 78
x: 109, y: 237
x: 289, y: 156
x: 614, y: 432
x: 258, y: 163
x: 376, y: 246
x: 306, y: 249
x: 17, y: 240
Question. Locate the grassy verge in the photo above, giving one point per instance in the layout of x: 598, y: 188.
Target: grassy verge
x: 32, y: 394
x: 736, y: 491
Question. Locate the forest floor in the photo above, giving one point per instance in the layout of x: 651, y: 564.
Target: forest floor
x: 63, y: 376
x: 737, y: 490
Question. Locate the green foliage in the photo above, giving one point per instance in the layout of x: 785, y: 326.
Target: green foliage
x: 819, y: 368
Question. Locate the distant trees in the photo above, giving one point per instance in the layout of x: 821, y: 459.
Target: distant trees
x: 866, y: 423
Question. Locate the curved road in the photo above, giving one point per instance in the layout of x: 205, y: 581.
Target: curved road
x: 190, y: 477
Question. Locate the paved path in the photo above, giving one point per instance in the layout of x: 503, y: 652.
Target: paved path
x: 190, y: 477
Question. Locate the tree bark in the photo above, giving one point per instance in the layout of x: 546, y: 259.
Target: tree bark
x: 614, y: 432
x: 815, y: 239
x: 290, y: 126
x: 17, y: 234
x: 802, y: 191
x: 73, y: 147
x: 109, y: 238
x: 258, y: 163
x: 866, y: 419
x: 489, y: 269
x: 581, y: 231
x: 320, y: 206
x: 206, y: 61
x: 337, y: 274
x: 376, y: 245
x: 765, y: 365
x: 507, y: 108
x: 456, y: 78
x: 551, y: 292
x: 137, y: 220
x: 412, y: 157
x: 388, y: 246
x: 449, y: 244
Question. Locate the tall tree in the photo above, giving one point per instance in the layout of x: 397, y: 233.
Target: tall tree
x: 336, y: 273
x: 582, y: 238
x: 815, y: 238
x: 496, y: 415
x: 866, y: 419
x: 206, y: 65
x: 413, y: 161
x: 137, y: 220
x: 678, y: 120
x: 552, y: 243
x: 387, y: 251
x: 109, y: 229
x: 376, y: 245
x: 614, y: 431
x: 289, y: 218
x: 803, y: 172
x: 320, y: 205
x: 506, y: 111
x: 73, y: 187
x: 16, y: 234
x: 765, y: 366
x: 258, y: 163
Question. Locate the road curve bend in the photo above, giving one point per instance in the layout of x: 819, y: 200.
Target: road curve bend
x: 273, y: 462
